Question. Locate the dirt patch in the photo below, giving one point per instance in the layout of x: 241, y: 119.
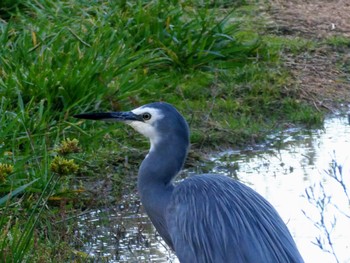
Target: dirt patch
x: 320, y: 79
x: 323, y: 74
x: 313, y: 18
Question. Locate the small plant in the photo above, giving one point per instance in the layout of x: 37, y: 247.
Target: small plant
x: 5, y: 170
x: 69, y: 146
x: 62, y: 166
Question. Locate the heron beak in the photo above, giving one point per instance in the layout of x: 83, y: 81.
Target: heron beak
x: 110, y: 116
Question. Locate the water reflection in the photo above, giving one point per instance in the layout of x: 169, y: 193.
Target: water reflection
x: 298, y: 161
x: 122, y: 234
x: 280, y: 170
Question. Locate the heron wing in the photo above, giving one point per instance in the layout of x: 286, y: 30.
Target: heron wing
x: 212, y: 218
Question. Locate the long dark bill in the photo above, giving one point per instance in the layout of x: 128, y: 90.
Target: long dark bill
x: 110, y: 116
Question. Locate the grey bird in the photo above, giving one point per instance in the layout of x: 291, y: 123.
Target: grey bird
x: 206, y: 218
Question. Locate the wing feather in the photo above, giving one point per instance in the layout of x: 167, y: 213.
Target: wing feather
x: 212, y: 218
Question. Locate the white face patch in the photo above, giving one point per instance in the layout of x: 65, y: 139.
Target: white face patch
x: 147, y: 128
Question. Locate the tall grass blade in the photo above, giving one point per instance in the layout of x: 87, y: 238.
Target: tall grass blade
x: 15, y: 192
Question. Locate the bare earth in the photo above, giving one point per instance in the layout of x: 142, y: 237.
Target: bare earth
x: 322, y: 74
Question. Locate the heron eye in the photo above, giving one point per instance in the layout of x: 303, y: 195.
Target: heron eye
x: 146, y: 116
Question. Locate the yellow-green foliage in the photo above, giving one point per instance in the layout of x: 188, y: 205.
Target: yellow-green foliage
x: 69, y: 146
x: 62, y: 166
x: 5, y: 170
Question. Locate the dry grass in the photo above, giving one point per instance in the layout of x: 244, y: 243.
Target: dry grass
x: 313, y: 18
x: 319, y: 79
x: 322, y: 74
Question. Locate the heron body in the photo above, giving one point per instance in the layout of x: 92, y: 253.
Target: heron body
x: 206, y: 218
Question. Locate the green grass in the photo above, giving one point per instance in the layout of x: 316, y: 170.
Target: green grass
x: 59, y: 58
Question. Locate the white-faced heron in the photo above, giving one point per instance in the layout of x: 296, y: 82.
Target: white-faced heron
x: 206, y: 218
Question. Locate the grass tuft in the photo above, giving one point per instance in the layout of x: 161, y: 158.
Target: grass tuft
x: 69, y: 146
x: 62, y: 166
x: 5, y: 170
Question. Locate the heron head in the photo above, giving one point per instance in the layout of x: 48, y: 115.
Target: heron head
x: 155, y: 120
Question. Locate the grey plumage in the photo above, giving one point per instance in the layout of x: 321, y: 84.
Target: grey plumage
x: 204, y: 218
x: 229, y: 222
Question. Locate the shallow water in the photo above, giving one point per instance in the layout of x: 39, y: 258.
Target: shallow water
x: 280, y: 170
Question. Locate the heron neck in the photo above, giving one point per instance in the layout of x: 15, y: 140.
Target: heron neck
x: 163, y: 162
